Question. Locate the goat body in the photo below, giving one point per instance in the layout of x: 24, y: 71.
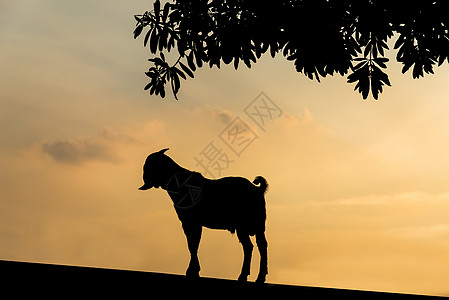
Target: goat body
x: 229, y: 203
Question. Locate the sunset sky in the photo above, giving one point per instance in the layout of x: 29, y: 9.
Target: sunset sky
x: 359, y: 189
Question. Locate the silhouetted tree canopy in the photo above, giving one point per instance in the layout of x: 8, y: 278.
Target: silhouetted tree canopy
x: 320, y: 37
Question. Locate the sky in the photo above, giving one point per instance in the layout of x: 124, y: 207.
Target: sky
x: 358, y: 197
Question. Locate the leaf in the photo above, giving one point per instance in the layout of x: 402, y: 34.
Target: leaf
x: 157, y: 61
x: 361, y: 64
x: 406, y: 67
x: 374, y: 50
x: 177, y: 83
x: 353, y: 77
x: 160, y: 89
x: 273, y: 49
x: 317, y: 77
x: 364, y: 87
x: 361, y: 76
x: 163, y: 40
x: 174, y: 81
x: 236, y: 62
x: 165, y: 12
x: 151, y: 72
x: 381, y: 61
x: 214, y: 60
x: 153, y: 41
x: 157, y: 8
x: 171, y: 42
x: 148, y: 86
x: 382, y: 76
x: 251, y: 56
x: 175, y: 70
x: 247, y: 62
x: 442, y: 58
x: 257, y: 49
x: 190, y: 61
x: 147, y: 36
x: 198, y: 59
x: 186, y: 70
x: 375, y: 90
x: 153, y: 89
x: 399, y: 41
x: 367, y: 49
x: 381, y: 45
x: 227, y: 57
x: 378, y: 78
x: 286, y: 49
x: 264, y: 47
x: 417, y: 70
x: 138, y: 30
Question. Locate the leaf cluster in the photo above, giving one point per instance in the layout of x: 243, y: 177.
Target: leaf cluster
x: 161, y: 35
x: 320, y: 37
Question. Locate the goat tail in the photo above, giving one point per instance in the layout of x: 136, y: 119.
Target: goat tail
x: 261, y: 183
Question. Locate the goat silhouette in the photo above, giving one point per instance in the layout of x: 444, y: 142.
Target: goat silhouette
x: 228, y: 203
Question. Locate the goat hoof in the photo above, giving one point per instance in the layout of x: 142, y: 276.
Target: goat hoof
x: 261, y: 279
x: 192, y: 274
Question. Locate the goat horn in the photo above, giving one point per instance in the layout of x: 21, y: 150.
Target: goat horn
x: 163, y: 151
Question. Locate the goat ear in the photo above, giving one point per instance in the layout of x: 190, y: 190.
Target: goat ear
x: 163, y: 151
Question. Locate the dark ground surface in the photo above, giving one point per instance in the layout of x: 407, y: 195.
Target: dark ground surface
x: 22, y: 280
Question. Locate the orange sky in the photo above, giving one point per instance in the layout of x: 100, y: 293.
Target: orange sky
x: 358, y: 197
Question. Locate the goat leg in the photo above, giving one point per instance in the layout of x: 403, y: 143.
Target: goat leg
x: 262, y: 245
x: 193, y: 235
x: 247, y: 254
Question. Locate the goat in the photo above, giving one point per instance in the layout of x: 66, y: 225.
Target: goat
x: 229, y: 203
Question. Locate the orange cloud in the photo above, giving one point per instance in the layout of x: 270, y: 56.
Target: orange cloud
x: 107, y: 145
x: 79, y: 150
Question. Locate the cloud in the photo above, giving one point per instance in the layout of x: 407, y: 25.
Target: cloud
x: 107, y: 145
x: 99, y: 146
x: 433, y: 231
x: 354, y: 241
x: 76, y: 151
x: 304, y: 118
x: 222, y: 115
x: 415, y: 198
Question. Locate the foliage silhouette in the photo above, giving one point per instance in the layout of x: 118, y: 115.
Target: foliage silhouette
x: 321, y: 37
